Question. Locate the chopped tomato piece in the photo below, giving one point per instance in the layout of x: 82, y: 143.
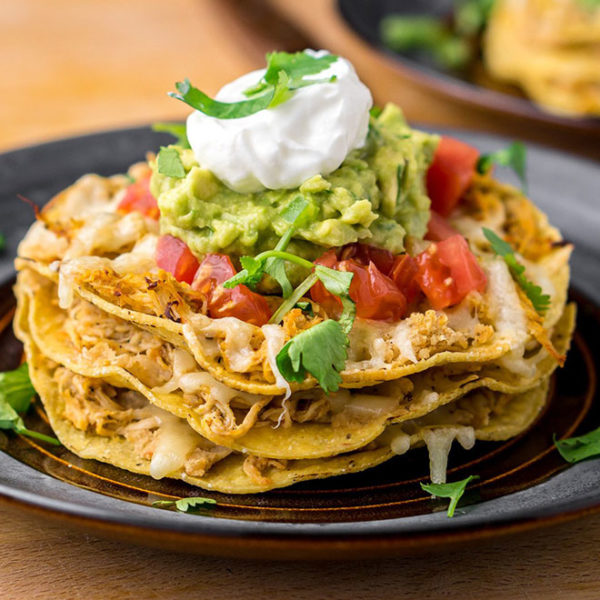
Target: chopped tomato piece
x: 363, y: 254
x: 448, y: 271
x: 139, y: 198
x: 403, y: 275
x: 438, y: 228
x: 375, y: 294
x: 450, y: 174
x: 240, y: 301
x: 174, y: 256
x: 454, y: 253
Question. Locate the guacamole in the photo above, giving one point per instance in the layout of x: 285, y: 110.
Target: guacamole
x: 377, y: 196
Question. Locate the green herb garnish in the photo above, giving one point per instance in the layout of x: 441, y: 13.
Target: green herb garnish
x: 168, y: 162
x: 514, y: 157
x: 454, y: 491
x: 16, y: 393
x: 579, y: 448
x: 320, y: 351
x: 188, y: 505
x: 285, y: 73
x: 539, y: 300
x: 2, y: 241
x: 177, y: 130
x: 401, y: 33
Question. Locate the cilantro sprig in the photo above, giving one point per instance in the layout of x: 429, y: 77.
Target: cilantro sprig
x: 454, y: 491
x: 285, y: 73
x: 539, y: 300
x: 168, y: 162
x: 320, y: 350
x: 189, y: 505
x: 16, y: 392
x: 513, y: 156
x: 579, y: 448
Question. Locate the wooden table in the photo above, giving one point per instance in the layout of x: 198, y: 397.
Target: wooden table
x: 73, y: 67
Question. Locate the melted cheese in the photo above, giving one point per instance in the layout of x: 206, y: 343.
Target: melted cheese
x: 175, y: 440
x: 400, y: 443
x: 439, y: 441
x: 510, y: 322
x: 401, y: 339
x: 68, y: 273
x: 275, y: 339
x: 141, y: 259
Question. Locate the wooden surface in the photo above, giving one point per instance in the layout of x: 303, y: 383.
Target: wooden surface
x: 72, y: 67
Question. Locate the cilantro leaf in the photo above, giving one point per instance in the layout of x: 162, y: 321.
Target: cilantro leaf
x: 221, y: 110
x: 16, y: 392
x: 320, y: 351
x: 177, y: 130
x: 514, y: 156
x: 539, y: 300
x: 579, y: 448
x: 191, y: 504
x: 254, y: 268
x: 285, y: 72
x: 169, y: 163
x: 2, y: 242
x: 338, y: 284
x: 454, y: 491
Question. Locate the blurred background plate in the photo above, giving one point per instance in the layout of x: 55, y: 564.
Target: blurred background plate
x: 365, y: 18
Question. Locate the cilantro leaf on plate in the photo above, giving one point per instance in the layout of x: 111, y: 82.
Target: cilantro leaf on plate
x: 579, y: 448
x: 169, y: 163
x: 191, y: 504
x: 454, y: 491
x: 320, y: 351
x: 539, y: 300
x: 16, y: 392
x: 514, y: 157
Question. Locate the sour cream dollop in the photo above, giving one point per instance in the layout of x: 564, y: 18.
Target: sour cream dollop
x: 312, y: 132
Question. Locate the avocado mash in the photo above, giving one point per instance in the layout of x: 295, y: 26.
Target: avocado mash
x: 377, y: 195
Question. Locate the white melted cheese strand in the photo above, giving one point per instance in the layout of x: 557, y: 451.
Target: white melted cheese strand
x: 141, y: 259
x: 439, y: 441
x: 510, y: 322
x: 175, y: 440
x: 275, y: 338
x: 400, y: 443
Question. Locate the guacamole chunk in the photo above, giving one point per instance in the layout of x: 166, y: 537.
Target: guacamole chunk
x: 377, y: 196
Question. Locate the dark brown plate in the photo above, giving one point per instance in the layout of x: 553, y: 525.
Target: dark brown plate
x: 471, y: 86
x: 524, y: 482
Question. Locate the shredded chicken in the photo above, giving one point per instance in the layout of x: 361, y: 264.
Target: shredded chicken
x: 256, y: 468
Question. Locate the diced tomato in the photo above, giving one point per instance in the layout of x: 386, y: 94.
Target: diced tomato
x: 173, y: 255
x: 138, y: 198
x: 376, y: 295
x: 363, y: 254
x: 448, y: 271
x: 403, y: 275
x: 438, y: 228
x: 240, y: 301
x: 454, y: 253
x: 450, y: 174
x: 318, y: 293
